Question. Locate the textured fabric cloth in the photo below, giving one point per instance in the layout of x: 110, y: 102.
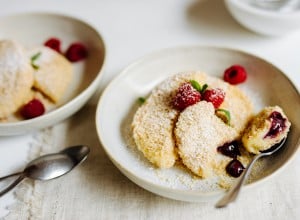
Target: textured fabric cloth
x: 97, y: 190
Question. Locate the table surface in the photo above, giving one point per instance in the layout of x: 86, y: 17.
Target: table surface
x: 134, y: 28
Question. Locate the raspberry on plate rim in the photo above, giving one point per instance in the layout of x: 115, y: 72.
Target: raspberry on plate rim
x: 235, y: 74
x: 76, y: 52
x: 54, y: 43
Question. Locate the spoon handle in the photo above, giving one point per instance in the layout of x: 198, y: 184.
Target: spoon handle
x: 232, y: 194
x: 11, y: 186
x: 10, y: 175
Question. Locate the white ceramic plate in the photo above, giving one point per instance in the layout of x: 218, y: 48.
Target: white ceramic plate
x: 33, y: 30
x: 265, y: 84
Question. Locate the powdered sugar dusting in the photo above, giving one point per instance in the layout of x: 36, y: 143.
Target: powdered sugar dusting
x: 16, y: 77
x: 196, y: 143
x: 186, y: 95
x: 13, y: 61
x: 198, y: 133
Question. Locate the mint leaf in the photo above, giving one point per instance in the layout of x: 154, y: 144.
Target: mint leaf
x: 226, y: 113
x: 35, y: 56
x: 204, y: 87
x: 36, y: 67
x: 196, y: 85
x: 141, y: 100
x: 33, y: 59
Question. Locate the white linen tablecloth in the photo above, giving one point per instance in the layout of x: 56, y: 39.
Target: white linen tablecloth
x: 96, y: 189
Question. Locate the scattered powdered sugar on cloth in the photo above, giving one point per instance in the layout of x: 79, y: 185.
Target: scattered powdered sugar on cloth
x: 96, y: 189
x: 27, y: 194
x: 96, y: 185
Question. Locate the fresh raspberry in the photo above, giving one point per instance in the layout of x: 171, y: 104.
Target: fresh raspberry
x: 215, y: 96
x: 53, y: 43
x: 32, y: 109
x: 235, y: 74
x: 76, y: 52
x: 186, y: 95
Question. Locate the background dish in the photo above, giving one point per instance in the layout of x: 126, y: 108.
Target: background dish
x: 270, y: 22
x: 32, y: 30
x: 266, y: 85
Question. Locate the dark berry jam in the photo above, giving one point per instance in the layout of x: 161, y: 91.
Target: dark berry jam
x: 277, y: 124
x: 230, y: 149
x: 235, y: 168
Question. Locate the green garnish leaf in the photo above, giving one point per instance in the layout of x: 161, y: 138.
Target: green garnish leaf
x: 35, y: 56
x: 196, y: 85
x: 36, y: 67
x: 204, y: 87
x: 33, y: 59
x: 141, y: 100
x: 225, y: 113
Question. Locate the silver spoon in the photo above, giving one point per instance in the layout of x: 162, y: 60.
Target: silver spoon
x: 50, y: 166
x: 232, y: 194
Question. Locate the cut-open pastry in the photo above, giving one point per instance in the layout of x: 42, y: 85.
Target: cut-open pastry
x: 266, y: 129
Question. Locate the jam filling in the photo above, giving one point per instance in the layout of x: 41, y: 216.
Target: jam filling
x: 277, y: 124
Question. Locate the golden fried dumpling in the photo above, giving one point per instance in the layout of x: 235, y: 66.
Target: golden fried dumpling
x: 16, y: 77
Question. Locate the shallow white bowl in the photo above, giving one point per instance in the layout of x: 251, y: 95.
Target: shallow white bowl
x: 32, y: 29
x: 263, y: 21
x: 266, y: 85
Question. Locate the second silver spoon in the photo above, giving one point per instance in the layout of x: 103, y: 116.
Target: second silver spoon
x: 50, y: 166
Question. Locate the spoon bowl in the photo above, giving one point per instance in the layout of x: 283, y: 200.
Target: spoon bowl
x: 76, y: 153
x: 233, y: 193
x: 50, y: 166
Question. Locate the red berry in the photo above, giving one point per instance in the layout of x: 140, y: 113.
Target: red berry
x: 215, y: 96
x: 76, y: 52
x: 235, y: 74
x: 186, y: 95
x: 32, y: 109
x: 53, y: 43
